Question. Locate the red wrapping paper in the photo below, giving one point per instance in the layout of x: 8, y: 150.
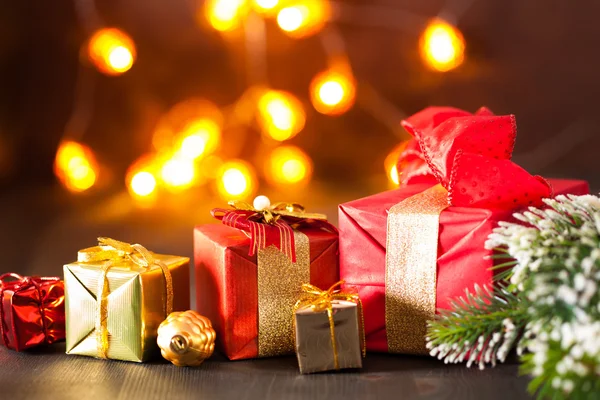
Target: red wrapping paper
x: 226, y: 282
x: 461, y: 259
x: 469, y: 155
x: 32, y: 311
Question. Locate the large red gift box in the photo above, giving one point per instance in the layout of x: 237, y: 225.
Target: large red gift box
x: 458, y: 169
x: 461, y: 262
x: 227, y: 282
x: 32, y: 311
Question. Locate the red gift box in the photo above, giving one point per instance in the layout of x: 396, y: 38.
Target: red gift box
x: 227, y: 283
x: 461, y: 262
x: 468, y: 156
x: 32, y: 311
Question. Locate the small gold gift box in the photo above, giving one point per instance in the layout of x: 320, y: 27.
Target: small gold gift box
x: 116, y: 297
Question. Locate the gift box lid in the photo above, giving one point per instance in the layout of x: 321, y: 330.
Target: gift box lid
x: 370, y: 213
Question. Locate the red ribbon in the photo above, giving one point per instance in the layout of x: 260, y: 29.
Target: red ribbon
x: 278, y: 232
x: 22, y: 283
x: 469, y: 154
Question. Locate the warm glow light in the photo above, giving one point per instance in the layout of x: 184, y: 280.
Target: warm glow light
x: 111, y: 51
x: 225, y: 15
x: 191, y: 117
x: 333, y: 92
x: 143, y: 184
x: 292, y: 18
x: 393, y: 175
x: 199, y: 138
x: 288, y: 165
x: 75, y: 166
x: 390, y: 162
x: 280, y: 115
x: 266, y: 7
x: 442, y: 46
x: 178, y: 173
x: 236, y: 180
x: 303, y: 18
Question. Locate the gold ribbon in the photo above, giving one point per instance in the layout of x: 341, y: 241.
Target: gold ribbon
x: 279, y: 281
x: 272, y: 214
x: 322, y: 300
x: 114, y: 252
x: 411, y: 269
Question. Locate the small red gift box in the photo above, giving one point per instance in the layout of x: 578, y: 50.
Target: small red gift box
x: 249, y: 298
x: 32, y: 311
x: 384, y: 238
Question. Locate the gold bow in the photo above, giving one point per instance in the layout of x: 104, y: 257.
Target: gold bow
x: 320, y: 300
x: 114, y: 252
x: 272, y: 214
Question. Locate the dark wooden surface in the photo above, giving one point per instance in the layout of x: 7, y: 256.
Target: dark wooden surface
x: 49, y: 373
x: 42, y: 228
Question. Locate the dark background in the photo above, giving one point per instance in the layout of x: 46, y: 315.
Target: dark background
x: 537, y: 59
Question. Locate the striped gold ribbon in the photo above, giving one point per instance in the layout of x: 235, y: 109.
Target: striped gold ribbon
x: 114, y: 253
x: 411, y: 269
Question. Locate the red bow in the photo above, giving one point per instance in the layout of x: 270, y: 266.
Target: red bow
x: 273, y: 226
x: 469, y: 155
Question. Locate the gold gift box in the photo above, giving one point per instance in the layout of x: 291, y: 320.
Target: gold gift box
x: 136, y: 306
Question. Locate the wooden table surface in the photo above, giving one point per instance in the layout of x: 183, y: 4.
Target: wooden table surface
x: 42, y: 228
x: 50, y: 374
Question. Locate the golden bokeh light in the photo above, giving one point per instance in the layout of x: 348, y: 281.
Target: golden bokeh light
x: 75, y: 166
x: 303, y: 18
x: 111, y: 51
x: 178, y: 173
x: 187, y: 118
x: 237, y: 180
x: 143, y: 184
x: 333, y: 92
x: 265, y: 7
x: 280, y: 115
x: 142, y: 177
x: 199, y: 138
x: 442, y: 46
x: 225, y: 15
x: 288, y: 165
x: 389, y: 164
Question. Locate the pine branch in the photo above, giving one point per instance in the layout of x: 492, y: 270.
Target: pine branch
x: 479, y: 328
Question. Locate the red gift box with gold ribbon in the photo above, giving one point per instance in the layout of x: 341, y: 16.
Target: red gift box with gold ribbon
x: 250, y: 271
x: 410, y: 251
x: 32, y: 311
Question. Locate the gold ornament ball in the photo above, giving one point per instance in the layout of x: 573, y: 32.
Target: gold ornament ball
x: 186, y: 338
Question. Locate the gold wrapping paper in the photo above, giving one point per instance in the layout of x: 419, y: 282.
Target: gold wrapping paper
x: 411, y: 269
x: 279, y: 286
x: 135, y: 305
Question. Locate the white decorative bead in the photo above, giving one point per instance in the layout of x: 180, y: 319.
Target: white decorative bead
x: 261, y: 203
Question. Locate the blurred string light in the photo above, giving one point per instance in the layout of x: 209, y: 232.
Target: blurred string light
x: 237, y: 180
x: 111, y: 51
x: 288, y: 165
x: 197, y: 118
x: 266, y: 7
x: 333, y: 92
x: 141, y: 177
x: 442, y: 46
x: 199, y: 138
x: 302, y: 18
x: 178, y: 173
x: 280, y: 114
x: 225, y: 15
x: 75, y: 166
x: 390, y: 163
x: 143, y: 184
